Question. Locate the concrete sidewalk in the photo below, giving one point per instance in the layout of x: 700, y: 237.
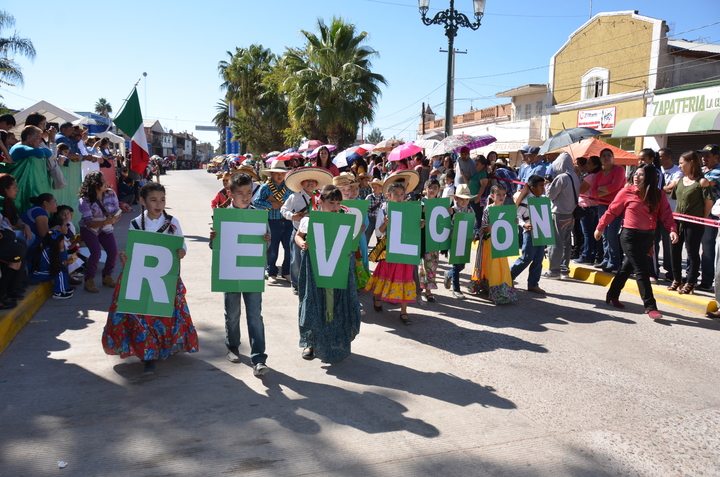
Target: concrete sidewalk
x: 561, y: 385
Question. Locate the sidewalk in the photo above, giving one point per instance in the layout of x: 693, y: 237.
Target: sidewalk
x: 13, y: 320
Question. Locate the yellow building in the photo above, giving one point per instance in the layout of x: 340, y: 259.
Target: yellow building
x: 605, y: 72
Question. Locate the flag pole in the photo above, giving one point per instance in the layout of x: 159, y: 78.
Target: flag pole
x: 126, y: 99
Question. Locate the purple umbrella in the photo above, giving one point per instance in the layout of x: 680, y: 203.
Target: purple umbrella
x: 457, y: 141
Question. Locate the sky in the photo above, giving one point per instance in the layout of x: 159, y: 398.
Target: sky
x: 102, y: 50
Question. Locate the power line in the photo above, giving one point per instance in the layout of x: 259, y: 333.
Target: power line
x: 486, y: 14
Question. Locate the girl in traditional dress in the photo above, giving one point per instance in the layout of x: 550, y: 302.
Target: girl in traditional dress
x: 151, y: 337
x: 495, y: 275
x: 393, y: 282
x: 329, y: 318
x: 427, y: 270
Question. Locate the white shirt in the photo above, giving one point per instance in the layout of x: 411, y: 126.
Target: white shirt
x: 671, y: 175
x: 155, y: 225
x: 294, y: 204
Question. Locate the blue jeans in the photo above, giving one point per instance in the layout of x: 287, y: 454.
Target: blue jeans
x: 280, y: 231
x: 256, y: 327
x: 707, y: 260
x: 612, y: 257
x: 294, y: 260
x: 532, y: 256
x: 588, y: 225
x: 454, y: 274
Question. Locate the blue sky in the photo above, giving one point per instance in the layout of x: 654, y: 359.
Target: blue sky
x: 102, y: 49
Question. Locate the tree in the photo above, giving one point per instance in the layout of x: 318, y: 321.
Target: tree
x: 10, y: 73
x: 221, y: 120
x: 375, y: 136
x: 329, y: 83
x: 260, y: 109
x: 103, y: 108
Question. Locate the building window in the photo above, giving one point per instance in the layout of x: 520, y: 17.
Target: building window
x: 595, y: 83
x: 538, y: 109
x: 528, y: 111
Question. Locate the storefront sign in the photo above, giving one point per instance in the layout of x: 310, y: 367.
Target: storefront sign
x: 597, y: 118
x: 689, y: 101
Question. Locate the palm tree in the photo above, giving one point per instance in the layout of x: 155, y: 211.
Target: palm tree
x: 103, y: 108
x: 221, y: 120
x: 330, y: 83
x: 10, y: 73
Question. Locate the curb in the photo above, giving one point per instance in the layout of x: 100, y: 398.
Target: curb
x: 694, y: 303
x: 13, y: 320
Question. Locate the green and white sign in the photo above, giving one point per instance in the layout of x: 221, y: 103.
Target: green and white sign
x: 438, y: 224
x: 463, y: 230
x: 149, y: 282
x: 358, y: 208
x: 503, y: 234
x: 543, y: 231
x: 239, y: 251
x: 403, y: 237
x: 329, y: 241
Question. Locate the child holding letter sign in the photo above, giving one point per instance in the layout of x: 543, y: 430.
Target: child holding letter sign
x: 151, y: 337
x: 532, y: 255
x: 329, y: 319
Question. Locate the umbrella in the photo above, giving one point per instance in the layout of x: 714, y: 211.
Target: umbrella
x: 347, y: 157
x: 273, y: 154
x: 592, y: 147
x: 330, y: 147
x: 457, y: 141
x: 567, y: 137
x: 310, y: 145
x: 363, y: 148
x: 289, y: 150
x: 403, y: 151
x: 88, y: 122
x: 388, y: 145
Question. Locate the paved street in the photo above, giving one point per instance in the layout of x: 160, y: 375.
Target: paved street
x: 562, y: 385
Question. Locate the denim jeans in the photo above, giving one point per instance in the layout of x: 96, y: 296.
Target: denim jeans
x: 589, y: 224
x: 559, y: 254
x: 256, y: 327
x: 532, y: 256
x: 280, y: 231
x: 370, y: 230
x: 454, y: 274
x: 612, y: 257
x: 294, y: 260
x: 707, y: 260
x: 636, y: 244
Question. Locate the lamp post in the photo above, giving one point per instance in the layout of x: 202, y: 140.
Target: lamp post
x: 451, y: 19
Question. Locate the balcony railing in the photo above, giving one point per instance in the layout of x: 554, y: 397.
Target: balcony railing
x: 502, y: 111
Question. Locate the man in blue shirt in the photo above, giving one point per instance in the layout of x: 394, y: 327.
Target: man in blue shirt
x: 535, y: 165
x: 710, y: 157
x: 65, y: 136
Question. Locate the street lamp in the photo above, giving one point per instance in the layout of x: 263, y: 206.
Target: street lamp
x: 451, y: 19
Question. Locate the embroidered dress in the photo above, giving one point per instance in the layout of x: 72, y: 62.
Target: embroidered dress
x: 428, y: 270
x: 329, y: 319
x: 392, y: 282
x: 151, y: 337
x: 495, y: 274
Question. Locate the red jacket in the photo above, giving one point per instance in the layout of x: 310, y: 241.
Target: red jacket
x: 637, y: 214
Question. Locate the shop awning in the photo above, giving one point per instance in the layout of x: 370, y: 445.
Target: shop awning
x: 669, y: 124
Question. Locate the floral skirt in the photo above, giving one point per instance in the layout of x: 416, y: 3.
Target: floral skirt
x: 150, y: 337
x: 428, y: 270
x: 329, y: 319
x: 492, y: 276
x: 393, y: 282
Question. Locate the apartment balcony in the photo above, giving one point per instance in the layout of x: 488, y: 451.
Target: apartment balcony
x: 492, y: 114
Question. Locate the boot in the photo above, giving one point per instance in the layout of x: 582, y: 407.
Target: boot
x: 108, y: 281
x: 90, y: 285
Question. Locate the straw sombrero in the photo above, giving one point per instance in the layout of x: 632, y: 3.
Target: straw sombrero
x: 294, y: 178
x: 247, y: 170
x: 277, y: 166
x: 364, y: 175
x: 462, y: 192
x: 411, y: 179
x: 376, y: 181
x: 344, y: 179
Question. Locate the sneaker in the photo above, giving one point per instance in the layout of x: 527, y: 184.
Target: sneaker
x: 565, y: 273
x: 551, y: 275
x: 580, y: 261
x: 653, y: 280
x: 149, y: 367
x: 260, y: 369
x: 62, y: 295
x: 447, y: 281
x: 272, y: 280
x: 599, y: 265
x: 458, y: 295
x: 233, y: 355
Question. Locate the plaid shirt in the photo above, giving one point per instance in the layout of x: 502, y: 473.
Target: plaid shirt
x: 714, y: 176
x: 260, y: 201
x: 376, y: 201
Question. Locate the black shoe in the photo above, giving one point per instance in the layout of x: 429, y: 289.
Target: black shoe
x: 701, y: 287
x: 149, y: 367
x: 19, y: 296
x: 308, y: 354
x: 7, y: 303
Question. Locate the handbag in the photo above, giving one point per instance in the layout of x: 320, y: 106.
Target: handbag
x: 56, y: 174
x: 579, y: 212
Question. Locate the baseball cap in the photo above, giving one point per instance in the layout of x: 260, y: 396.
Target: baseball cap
x: 532, y: 150
x: 710, y: 149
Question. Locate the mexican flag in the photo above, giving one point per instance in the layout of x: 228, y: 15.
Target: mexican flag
x: 130, y: 122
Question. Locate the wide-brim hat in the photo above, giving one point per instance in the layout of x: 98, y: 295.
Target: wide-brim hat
x: 376, y: 182
x: 344, y: 179
x: 462, y: 192
x: 364, y: 175
x: 410, y: 178
x: 277, y: 166
x: 247, y: 170
x: 295, y: 178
